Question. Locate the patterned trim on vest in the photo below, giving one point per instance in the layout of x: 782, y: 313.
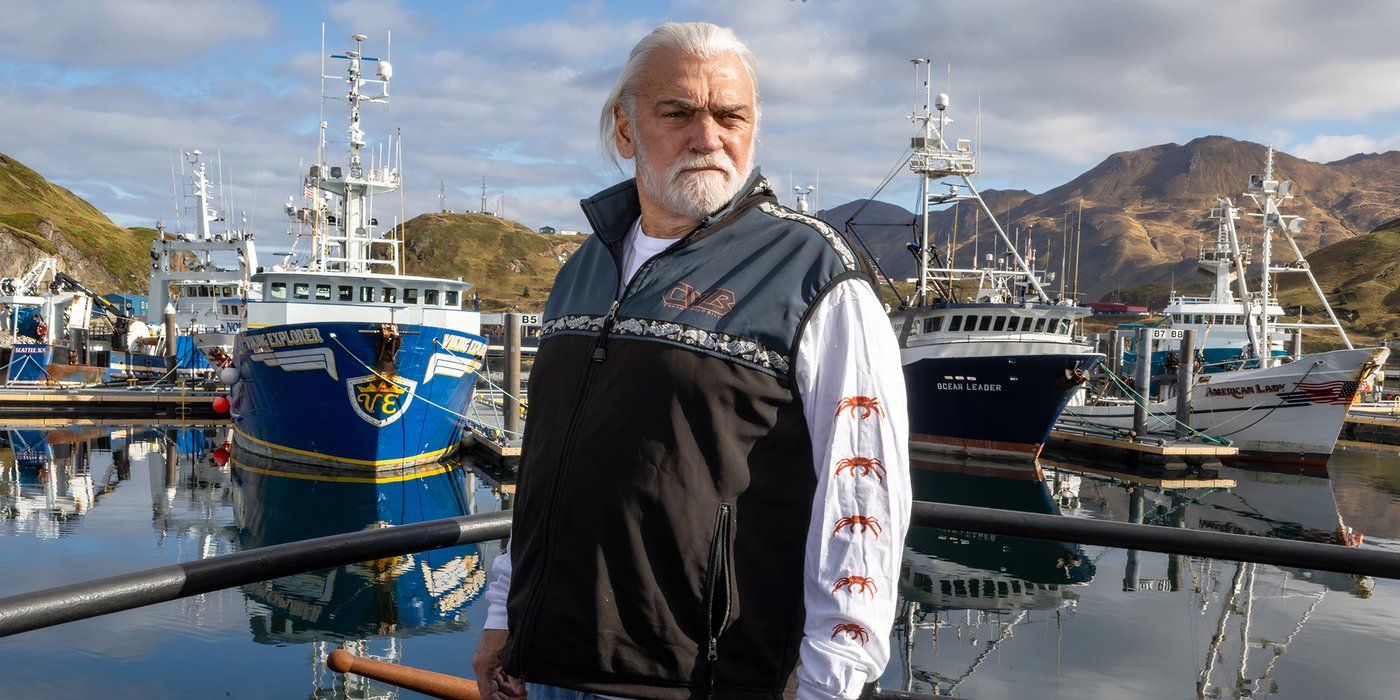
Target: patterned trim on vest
x: 834, y: 239
x: 743, y: 350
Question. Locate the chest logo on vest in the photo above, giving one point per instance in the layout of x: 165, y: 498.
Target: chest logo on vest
x: 715, y: 302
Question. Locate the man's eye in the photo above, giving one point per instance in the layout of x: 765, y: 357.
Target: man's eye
x: 672, y: 115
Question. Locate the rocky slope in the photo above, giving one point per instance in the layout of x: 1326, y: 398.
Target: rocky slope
x: 39, y: 218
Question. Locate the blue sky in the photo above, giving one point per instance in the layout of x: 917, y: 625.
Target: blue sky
x: 98, y: 94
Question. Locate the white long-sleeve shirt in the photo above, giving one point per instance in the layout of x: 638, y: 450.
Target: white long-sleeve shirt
x: 851, y: 382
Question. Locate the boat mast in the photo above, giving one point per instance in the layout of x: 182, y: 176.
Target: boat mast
x: 1268, y: 193
x: 927, y: 118
x: 1228, y: 215
x: 934, y: 159
x: 357, y: 241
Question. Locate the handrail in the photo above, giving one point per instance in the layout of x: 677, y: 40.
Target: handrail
x: 79, y: 601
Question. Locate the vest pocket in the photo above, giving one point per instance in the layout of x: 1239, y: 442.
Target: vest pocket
x: 717, y: 586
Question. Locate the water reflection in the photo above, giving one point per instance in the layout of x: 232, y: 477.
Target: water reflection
x: 968, y: 599
x: 369, y: 607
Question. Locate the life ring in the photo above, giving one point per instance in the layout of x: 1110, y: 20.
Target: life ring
x: 41, y: 330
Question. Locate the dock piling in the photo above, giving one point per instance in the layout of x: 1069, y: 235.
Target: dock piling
x: 512, y: 372
x: 1115, y: 352
x: 1185, y: 379
x: 1142, y: 371
x: 172, y: 346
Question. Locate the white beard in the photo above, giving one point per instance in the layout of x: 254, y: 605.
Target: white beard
x: 694, y: 194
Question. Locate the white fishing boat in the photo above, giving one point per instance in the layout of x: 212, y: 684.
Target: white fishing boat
x: 202, y: 272
x: 1277, y: 407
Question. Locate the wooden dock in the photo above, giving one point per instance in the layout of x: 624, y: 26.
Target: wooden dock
x: 1373, y: 423
x: 1155, y: 453
x: 163, y: 402
x: 483, y: 442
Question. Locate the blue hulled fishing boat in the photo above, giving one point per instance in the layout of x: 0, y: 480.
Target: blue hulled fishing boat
x: 349, y: 365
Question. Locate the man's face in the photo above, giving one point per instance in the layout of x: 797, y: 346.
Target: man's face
x: 692, y: 132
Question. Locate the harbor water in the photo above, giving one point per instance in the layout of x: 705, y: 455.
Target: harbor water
x: 981, y: 616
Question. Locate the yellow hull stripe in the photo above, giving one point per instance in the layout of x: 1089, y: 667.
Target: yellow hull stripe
x: 337, y: 458
x: 431, y: 471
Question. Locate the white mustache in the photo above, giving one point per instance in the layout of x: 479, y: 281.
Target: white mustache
x: 718, y: 159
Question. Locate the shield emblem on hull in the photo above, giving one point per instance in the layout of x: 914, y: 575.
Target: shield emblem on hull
x: 380, y: 400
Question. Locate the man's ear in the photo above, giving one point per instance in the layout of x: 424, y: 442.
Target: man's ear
x: 626, y: 147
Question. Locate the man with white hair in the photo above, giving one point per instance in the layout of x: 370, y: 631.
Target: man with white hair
x: 714, y: 488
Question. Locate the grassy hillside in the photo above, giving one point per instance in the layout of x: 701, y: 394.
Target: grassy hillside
x: 512, y: 267
x: 1361, y: 277
x: 39, y: 218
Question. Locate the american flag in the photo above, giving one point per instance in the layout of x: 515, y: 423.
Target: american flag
x: 1334, y: 392
x: 309, y: 191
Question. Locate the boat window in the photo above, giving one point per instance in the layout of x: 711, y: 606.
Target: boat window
x: 367, y: 294
x: 345, y: 292
x: 323, y: 292
x: 228, y: 291
x: 1065, y: 326
x: 390, y: 295
x: 1000, y: 324
x: 301, y: 290
x: 430, y: 297
x: 933, y: 324
x: 449, y: 297
x: 986, y: 323
x: 410, y: 296
x: 279, y: 290
x: 955, y: 324
x: 1039, y: 325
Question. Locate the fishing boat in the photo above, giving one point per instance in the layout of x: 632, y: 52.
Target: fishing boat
x: 989, y: 358
x: 349, y: 365
x: 58, y: 332
x: 201, y: 272
x: 1270, y: 406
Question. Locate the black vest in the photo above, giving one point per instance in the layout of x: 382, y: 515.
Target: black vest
x: 666, y: 483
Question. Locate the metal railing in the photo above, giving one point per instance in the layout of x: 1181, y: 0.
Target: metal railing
x: 78, y: 601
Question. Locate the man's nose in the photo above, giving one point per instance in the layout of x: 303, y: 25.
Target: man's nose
x: 707, y: 136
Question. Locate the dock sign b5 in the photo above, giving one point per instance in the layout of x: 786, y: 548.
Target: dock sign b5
x: 380, y: 400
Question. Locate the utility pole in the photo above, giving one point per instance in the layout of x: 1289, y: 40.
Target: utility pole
x: 442, y: 196
x: 483, y: 194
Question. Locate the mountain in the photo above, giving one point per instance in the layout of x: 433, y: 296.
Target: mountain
x: 512, y: 267
x: 1143, y: 210
x: 39, y: 218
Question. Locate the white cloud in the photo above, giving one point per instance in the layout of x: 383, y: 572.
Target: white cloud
x: 1062, y: 86
x: 1324, y: 148
x: 107, y: 33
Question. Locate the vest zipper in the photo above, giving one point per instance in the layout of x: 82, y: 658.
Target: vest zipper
x: 718, y: 575
x: 599, y: 353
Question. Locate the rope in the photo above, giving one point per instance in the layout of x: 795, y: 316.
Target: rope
x: 1141, y: 400
x: 523, y: 403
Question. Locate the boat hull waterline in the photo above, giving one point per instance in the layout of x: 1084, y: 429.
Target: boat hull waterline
x: 1293, y: 411
x: 318, y: 394
x: 995, y: 406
